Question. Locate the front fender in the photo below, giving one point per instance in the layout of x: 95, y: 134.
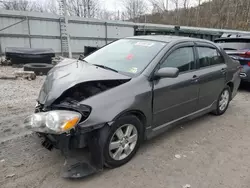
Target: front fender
x: 106, y: 110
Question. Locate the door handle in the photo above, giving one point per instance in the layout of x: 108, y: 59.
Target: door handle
x: 223, y: 70
x: 195, y: 79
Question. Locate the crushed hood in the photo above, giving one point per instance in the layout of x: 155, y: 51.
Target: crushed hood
x: 69, y: 73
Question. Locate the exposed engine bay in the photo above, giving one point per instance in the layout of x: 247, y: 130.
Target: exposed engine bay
x: 85, y: 90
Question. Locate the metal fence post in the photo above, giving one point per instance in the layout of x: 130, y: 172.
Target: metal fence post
x: 28, y: 23
x: 106, y: 32
x: 60, y: 21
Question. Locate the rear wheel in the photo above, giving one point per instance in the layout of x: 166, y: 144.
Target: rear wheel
x: 123, y: 141
x: 223, y: 101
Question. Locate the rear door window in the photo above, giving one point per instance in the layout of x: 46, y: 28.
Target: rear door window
x: 209, y: 57
x: 182, y: 58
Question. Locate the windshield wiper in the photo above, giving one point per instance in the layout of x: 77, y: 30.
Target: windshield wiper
x: 105, y: 67
x: 81, y: 57
x: 83, y: 60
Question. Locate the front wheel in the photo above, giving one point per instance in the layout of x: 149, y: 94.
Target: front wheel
x: 123, y: 141
x: 223, y: 101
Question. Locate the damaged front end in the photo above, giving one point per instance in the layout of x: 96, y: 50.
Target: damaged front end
x: 57, y: 126
x: 64, y: 122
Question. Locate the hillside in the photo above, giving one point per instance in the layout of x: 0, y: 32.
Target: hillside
x: 226, y: 14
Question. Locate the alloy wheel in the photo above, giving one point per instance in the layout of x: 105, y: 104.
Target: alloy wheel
x: 123, y: 142
x: 224, y: 100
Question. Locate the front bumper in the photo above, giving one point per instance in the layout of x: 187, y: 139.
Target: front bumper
x: 63, y: 141
x: 79, y: 163
x: 71, y: 144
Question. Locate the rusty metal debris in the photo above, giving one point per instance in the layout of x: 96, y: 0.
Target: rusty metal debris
x: 30, y: 75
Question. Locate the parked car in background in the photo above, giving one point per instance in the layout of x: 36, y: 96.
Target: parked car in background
x: 128, y: 91
x: 238, y: 47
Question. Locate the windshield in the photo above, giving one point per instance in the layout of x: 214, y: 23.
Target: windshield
x: 126, y: 55
x: 234, y: 44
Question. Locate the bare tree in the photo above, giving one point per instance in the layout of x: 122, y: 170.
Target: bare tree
x: 134, y: 8
x: 159, y: 6
x: 185, y: 4
x: 176, y: 4
x: 83, y: 8
x: 220, y: 6
x: 28, y: 5
x: 185, y: 15
x: 22, y: 5
x: 51, y: 6
x: 109, y: 15
x: 198, y: 8
x: 248, y: 13
x: 106, y: 15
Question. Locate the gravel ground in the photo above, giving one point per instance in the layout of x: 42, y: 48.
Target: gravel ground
x: 209, y: 152
x: 17, y: 99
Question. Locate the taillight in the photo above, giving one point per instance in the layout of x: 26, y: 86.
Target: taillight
x: 246, y: 55
x: 248, y: 64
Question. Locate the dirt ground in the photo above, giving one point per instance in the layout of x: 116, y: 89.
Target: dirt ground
x: 209, y: 152
x: 17, y: 100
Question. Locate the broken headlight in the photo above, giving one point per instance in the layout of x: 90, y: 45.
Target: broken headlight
x: 57, y: 121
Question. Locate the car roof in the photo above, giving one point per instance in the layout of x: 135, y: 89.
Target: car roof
x: 167, y: 38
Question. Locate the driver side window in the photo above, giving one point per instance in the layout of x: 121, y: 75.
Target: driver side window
x: 181, y: 58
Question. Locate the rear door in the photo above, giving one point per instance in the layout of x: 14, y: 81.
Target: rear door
x: 211, y: 75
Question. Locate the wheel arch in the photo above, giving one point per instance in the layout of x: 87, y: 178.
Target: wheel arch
x: 231, y: 86
x: 139, y: 114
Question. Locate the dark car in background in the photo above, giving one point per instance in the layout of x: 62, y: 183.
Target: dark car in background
x: 128, y: 91
x: 238, y: 47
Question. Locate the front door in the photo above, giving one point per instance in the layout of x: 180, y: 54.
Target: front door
x: 175, y: 98
x: 211, y: 74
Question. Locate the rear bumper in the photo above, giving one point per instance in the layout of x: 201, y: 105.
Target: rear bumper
x: 245, y: 73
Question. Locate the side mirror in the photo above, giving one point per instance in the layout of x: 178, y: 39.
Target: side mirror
x: 167, y: 72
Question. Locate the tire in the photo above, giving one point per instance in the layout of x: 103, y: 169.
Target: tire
x: 122, y: 124
x: 38, y: 68
x: 219, y: 110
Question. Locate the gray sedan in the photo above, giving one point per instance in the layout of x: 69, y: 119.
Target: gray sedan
x: 129, y: 91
